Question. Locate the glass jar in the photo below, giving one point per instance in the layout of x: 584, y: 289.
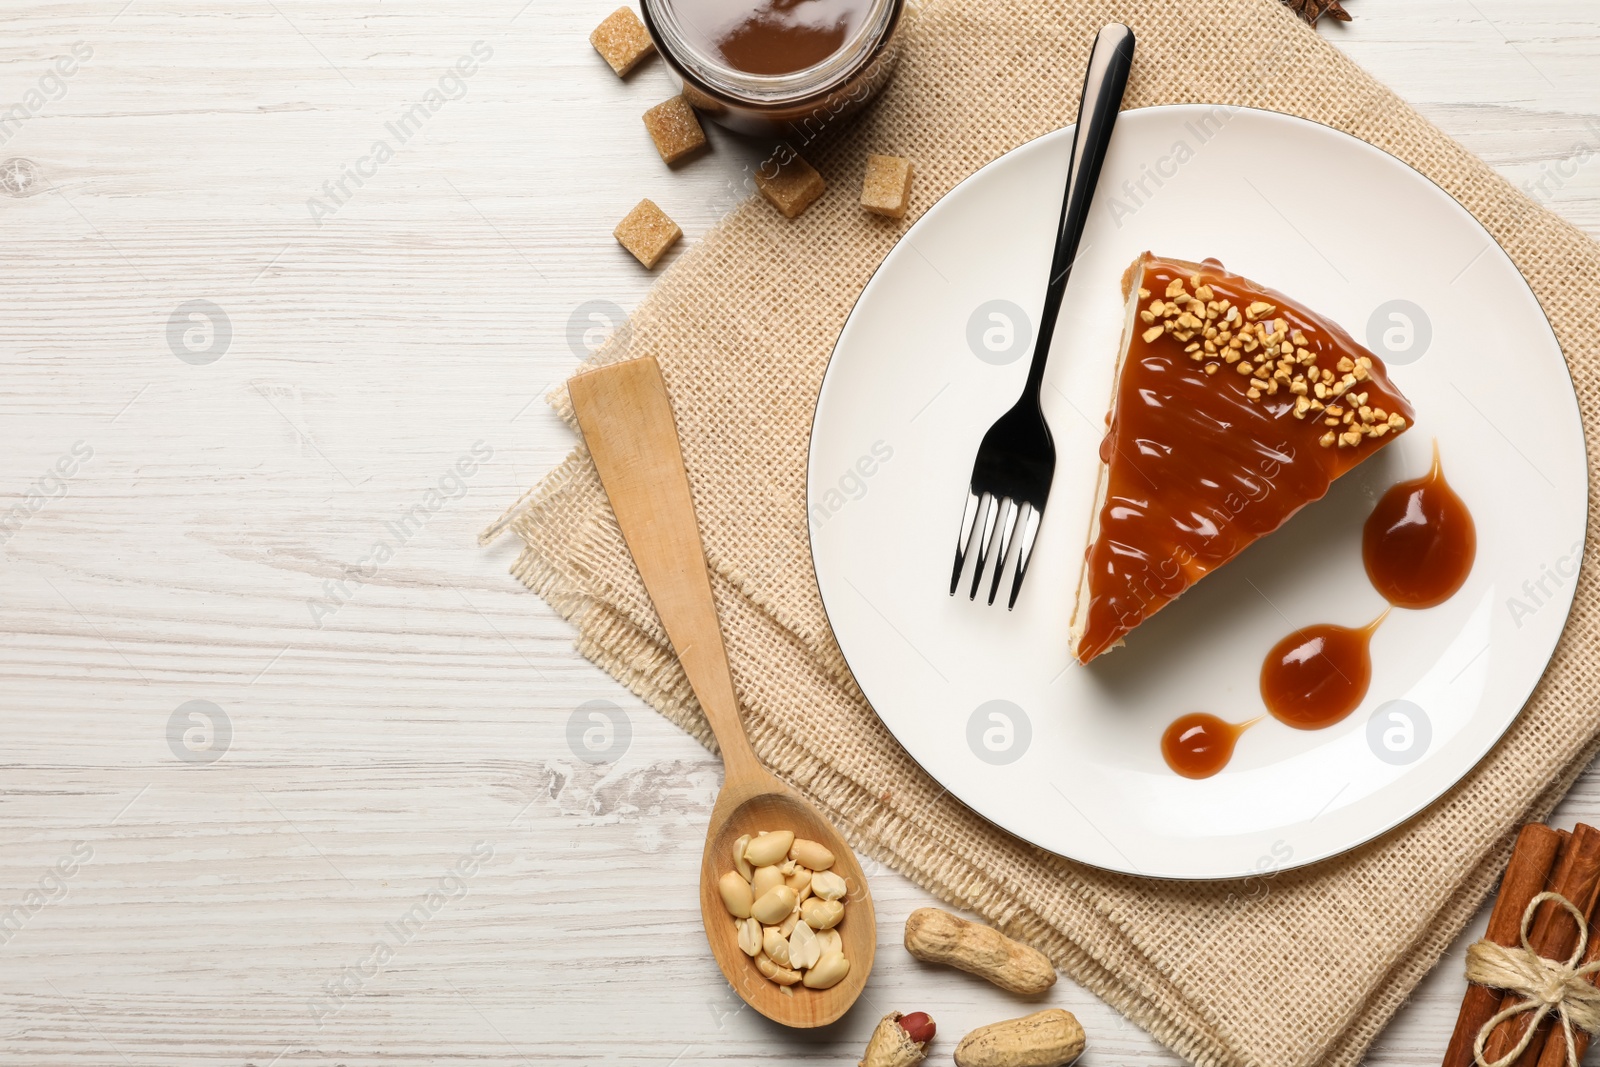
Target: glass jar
x: 779, y: 68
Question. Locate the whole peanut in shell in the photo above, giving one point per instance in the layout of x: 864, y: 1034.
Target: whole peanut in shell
x: 936, y: 936
x: 1050, y: 1038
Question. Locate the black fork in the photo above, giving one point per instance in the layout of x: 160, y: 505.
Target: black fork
x: 1017, y: 459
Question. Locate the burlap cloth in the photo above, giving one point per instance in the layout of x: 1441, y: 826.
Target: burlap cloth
x: 1301, y: 967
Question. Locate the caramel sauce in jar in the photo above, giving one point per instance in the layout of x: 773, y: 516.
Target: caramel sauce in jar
x: 1420, y: 542
x: 788, y: 68
x: 773, y: 36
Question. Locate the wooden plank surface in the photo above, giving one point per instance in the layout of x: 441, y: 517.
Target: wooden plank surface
x: 374, y: 840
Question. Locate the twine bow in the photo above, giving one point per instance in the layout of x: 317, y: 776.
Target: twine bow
x: 1545, y: 985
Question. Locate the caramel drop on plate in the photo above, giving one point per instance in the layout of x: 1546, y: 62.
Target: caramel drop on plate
x: 1318, y: 675
x: 1199, y: 745
x: 1419, y: 543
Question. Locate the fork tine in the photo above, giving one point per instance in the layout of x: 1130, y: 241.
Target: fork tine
x: 991, y: 511
x: 1030, y: 529
x: 1008, y: 526
x: 969, y: 515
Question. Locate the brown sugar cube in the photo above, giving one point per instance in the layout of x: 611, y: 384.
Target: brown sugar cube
x: 622, y: 40
x: 647, y: 233
x: 795, y: 186
x: 887, y: 187
x: 674, y: 129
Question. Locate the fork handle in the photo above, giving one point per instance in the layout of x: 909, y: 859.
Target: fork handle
x: 1103, y: 83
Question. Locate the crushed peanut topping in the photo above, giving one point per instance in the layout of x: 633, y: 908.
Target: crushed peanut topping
x: 1208, y: 325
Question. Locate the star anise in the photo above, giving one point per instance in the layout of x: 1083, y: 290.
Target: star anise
x: 1312, y: 10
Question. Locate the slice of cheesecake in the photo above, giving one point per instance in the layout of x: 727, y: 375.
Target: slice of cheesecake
x: 1234, y: 407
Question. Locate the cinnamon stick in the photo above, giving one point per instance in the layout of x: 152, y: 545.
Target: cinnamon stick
x: 1555, y: 1046
x: 1526, y: 877
x: 1552, y: 935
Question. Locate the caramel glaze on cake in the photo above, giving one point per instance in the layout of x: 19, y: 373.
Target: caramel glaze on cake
x: 1233, y: 409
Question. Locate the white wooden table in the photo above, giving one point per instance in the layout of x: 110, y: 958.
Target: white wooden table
x: 371, y: 841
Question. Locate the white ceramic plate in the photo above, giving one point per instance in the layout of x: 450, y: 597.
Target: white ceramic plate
x: 1066, y: 757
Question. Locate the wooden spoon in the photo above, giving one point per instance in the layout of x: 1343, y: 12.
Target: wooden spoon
x: 628, y: 426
